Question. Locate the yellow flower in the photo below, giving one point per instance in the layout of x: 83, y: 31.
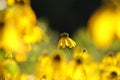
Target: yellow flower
x: 59, y: 66
x: 34, y: 35
x: 19, y: 30
x: 44, y: 68
x: 78, y: 52
x: 76, y: 70
x: 65, y: 40
x: 110, y: 73
x: 109, y: 60
x: 102, y: 20
x: 10, y: 41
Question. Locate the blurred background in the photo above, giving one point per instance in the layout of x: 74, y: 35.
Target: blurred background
x: 65, y: 15
x: 32, y: 48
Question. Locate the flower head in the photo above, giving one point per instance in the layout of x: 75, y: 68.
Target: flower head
x: 65, y: 40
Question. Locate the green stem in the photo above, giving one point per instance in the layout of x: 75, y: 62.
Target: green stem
x: 69, y: 54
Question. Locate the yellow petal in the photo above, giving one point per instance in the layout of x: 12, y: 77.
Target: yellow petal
x: 71, y: 43
x: 61, y: 43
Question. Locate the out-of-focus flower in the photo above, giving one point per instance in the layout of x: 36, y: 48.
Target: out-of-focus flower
x: 101, y: 26
x: 109, y: 68
x: 78, y: 52
x: 59, y: 66
x: 33, y: 36
x: 76, y: 71
x: 110, y: 73
x: 82, y: 53
x: 109, y: 60
x: 44, y: 68
x: 66, y: 41
x: 89, y: 65
x: 104, y: 24
x: 11, y: 41
x: 20, y: 30
x: 113, y: 76
x: 49, y: 68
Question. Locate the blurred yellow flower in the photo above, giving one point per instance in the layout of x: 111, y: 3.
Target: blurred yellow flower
x: 104, y: 24
x: 44, y: 68
x: 10, y: 40
x: 101, y: 27
x: 78, y: 52
x: 33, y: 36
x: 66, y: 41
x: 59, y: 66
x: 21, y: 17
x: 76, y: 71
x: 109, y: 60
x: 110, y: 73
x: 19, y: 30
